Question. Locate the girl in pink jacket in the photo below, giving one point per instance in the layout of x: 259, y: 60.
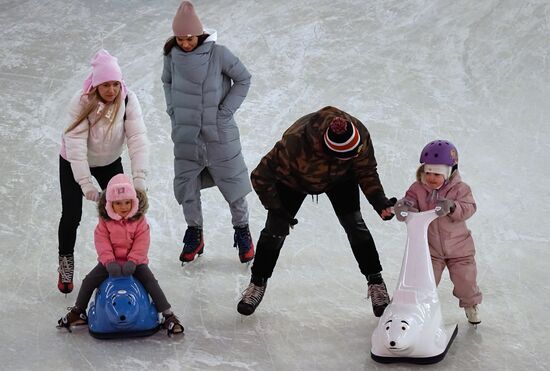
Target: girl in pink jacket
x: 438, y: 183
x: 122, y: 242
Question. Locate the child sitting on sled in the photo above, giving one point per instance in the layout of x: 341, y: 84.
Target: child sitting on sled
x: 122, y: 239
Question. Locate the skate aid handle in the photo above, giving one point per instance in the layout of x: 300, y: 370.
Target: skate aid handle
x: 405, y: 213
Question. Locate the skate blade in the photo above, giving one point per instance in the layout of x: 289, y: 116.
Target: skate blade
x: 184, y: 263
x: 59, y: 327
x: 72, y: 327
x: 474, y: 324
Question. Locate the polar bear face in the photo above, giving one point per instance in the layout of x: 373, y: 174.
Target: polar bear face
x: 401, y: 333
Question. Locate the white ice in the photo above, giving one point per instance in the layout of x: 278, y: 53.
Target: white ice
x: 474, y: 72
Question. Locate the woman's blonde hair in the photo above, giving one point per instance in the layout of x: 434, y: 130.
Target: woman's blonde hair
x: 93, y: 100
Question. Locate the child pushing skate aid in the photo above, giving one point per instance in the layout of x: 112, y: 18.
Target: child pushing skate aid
x: 451, y: 245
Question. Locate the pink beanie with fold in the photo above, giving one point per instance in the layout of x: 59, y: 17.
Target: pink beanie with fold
x: 120, y: 188
x: 104, y: 68
x: 186, y: 22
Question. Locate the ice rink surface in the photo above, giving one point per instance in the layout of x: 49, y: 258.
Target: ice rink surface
x: 474, y: 72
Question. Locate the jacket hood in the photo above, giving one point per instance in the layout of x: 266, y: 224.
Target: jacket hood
x: 143, y: 206
x: 213, y: 35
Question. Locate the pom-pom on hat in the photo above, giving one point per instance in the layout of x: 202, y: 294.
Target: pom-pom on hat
x: 186, y: 22
x: 104, y: 68
x: 120, y: 188
x: 342, y: 139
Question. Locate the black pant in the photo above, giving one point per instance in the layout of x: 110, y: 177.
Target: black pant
x: 344, y: 198
x: 71, y: 200
x: 143, y: 274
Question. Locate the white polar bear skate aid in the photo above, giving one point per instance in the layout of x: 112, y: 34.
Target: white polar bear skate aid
x: 411, y: 328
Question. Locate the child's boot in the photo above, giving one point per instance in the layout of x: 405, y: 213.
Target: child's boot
x: 252, y: 296
x: 193, y: 244
x: 66, y: 272
x: 472, y: 313
x: 75, y: 317
x: 171, y: 324
x: 243, y: 241
x: 378, y: 293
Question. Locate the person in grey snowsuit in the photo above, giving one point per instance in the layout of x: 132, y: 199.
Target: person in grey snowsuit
x: 204, y: 85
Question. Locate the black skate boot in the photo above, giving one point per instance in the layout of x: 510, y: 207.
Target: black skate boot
x: 252, y: 296
x: 75, y: 317
x: 172, y: 324
x: 243, y: 241
x: 193, y: 244
x: 378, y: 293
x: 66, y: 272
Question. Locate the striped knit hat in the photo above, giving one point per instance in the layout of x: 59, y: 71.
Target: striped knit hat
x: 342, y: 139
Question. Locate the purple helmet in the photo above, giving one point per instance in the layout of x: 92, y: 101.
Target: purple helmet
x: 439, y: 152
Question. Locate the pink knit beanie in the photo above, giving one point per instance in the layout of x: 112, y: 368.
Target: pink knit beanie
x: 120, y: 188
x: 186, y: 22
x: 104, y: 68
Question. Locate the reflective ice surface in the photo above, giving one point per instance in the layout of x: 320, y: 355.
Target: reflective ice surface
x: 474, y: 72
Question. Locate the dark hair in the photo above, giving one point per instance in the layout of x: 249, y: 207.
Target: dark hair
x: 171, y: 42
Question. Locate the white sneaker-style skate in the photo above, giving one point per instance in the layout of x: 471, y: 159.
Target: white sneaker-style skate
x: 472, y: 313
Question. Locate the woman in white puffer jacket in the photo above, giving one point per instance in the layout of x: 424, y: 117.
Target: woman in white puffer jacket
x: 104, y: 115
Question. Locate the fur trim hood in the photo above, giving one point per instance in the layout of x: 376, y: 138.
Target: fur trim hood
x: 142, y: 207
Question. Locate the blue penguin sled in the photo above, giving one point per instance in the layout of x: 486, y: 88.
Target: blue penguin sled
x: 122, y: 308
x: 411, y: 328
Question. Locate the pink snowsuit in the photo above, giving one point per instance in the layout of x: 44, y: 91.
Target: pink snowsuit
x: 450, y: 240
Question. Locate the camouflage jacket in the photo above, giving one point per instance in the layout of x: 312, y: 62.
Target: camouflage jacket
x: 300, y: 162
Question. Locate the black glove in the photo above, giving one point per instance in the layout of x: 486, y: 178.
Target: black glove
x: 389, y: 203
x: 114, y: 269
x: 128, y: 268
x: 285, y: 215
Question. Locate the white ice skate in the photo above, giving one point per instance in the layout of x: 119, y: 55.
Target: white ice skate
x: 411, y: 328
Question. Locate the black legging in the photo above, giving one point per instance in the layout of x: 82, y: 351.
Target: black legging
x: 71, y: 200
x: 344, y: 198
